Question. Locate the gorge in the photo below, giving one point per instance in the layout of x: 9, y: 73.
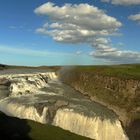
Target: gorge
x: 42, y: 97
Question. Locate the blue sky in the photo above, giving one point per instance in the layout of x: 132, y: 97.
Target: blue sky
x: 23, y: 43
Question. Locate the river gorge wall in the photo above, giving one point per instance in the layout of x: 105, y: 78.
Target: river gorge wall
x: 120, y: 95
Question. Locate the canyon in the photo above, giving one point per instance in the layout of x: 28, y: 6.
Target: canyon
x: 116, y: 87
x: 42, y: 97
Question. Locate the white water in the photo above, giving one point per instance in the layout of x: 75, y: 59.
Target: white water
x: 92, y: 127
x: 80, y: 116
x: 23, y: 111
x: 22, y: 84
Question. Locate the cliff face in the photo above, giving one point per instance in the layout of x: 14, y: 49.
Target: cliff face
x: 120, y: 95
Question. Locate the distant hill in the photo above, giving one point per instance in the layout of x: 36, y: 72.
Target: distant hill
x: 54, y: 68
x: 2, y: 66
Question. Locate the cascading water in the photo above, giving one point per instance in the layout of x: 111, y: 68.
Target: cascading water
x: 22, y: 84
x: 93, y: 127
x: 42, y: 97
x: 23, y: 111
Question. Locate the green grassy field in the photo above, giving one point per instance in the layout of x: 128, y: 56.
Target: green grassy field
x: 14, y: 128
x: 125, y: 71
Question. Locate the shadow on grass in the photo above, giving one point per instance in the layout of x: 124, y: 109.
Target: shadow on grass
x: 13, y: 128
x: 17, y: 129
x: 133, y: 130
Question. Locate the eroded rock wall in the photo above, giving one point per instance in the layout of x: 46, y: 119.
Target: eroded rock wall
x: 120, y: 95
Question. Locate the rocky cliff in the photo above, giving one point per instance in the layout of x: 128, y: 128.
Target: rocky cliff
x: 119, y: 94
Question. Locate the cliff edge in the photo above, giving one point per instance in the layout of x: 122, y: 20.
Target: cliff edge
x: 117, y: 87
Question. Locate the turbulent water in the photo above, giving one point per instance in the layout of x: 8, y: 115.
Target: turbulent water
x: 41, y: 97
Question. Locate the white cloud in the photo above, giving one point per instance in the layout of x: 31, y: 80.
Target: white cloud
x: 106, y: 52
x: 84, y: 23
x: 123, y: 2
x: 135, y: 17
x: 100, y: 40
x: 118, y: 56
x: 76, y: 23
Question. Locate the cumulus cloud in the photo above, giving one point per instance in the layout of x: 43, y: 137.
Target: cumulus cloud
x: 106, y: 52
x: 123, y: 2
x: 118, y: 56
x: 84, y: 23
x: 135, y: 17
x: 76, y: 23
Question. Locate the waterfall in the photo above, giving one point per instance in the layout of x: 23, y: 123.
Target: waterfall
x: 28, y: 83
x: 92, y: 127
x: 59, y: 105
x: 51, y: 75
x: 23, y: 111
